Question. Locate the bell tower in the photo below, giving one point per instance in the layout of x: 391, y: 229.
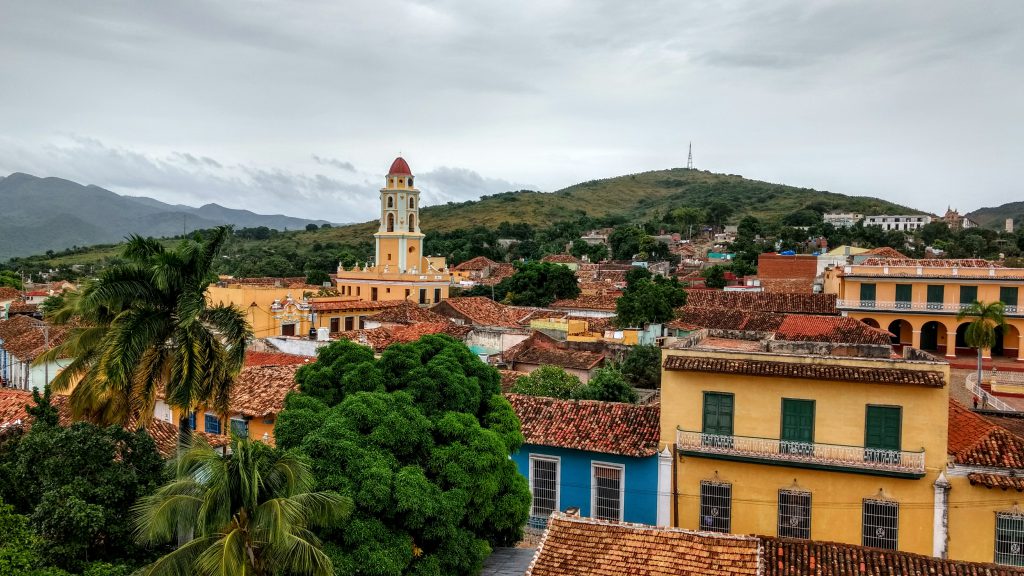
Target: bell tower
x: 399, y: 242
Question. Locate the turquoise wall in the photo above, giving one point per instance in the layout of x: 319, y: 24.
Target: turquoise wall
x: 640, y: 501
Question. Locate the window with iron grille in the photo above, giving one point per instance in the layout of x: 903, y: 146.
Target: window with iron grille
x: 544, y: 485
x: 211, y: 424
x: 1010, y: 538
x: 881, y: 521
x: 240, y: 427
x: 794, y: 514
x: 715, y: 506
x: 607, y: 503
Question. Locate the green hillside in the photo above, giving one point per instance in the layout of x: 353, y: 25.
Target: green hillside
x: 995, y: 217
x: 636, y: 197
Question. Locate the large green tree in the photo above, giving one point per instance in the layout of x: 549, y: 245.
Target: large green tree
x: 552, y: 381
x: 76, y: 485
x: 146, y: 325
x: 420, y: 440
x: 981, y: 332
x: 537, y: 284
x: 642, y: 366
x: 607, y: 385
x: 648, y: 299
x: 251, y: 512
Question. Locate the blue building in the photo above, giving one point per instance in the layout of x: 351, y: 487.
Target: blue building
x: 599, y: 457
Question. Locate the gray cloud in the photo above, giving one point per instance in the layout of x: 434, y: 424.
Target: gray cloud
x: 301, y: 111
x: 339, y: 164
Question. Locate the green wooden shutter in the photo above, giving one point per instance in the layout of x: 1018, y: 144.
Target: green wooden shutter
x: 867, y: 294
x: 797, y: 420
x: 904, y: 295
x: 718, y: 413
x: 936, y: 295
x: 1008, y: 296
x: 968, y: 294
x: 882, y: 427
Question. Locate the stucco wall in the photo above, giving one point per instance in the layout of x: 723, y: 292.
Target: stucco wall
x: 640, y: 501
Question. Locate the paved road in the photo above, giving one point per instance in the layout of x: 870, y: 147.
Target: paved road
x: 508, y: 562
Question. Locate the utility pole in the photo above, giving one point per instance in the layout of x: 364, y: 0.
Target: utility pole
x: 689, y: 158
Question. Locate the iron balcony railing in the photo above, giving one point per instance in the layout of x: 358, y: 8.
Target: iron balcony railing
x: 912, y: 306
x: 802, y: 454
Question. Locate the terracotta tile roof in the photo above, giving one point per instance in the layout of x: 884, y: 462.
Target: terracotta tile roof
x: 407, y: 313
x: 508, y: 379
x: 545, y: 356
x: 478, y: 263
x: 349, y: 305
x: 481, y: 311
x: 8, y: 293
x: 599, y: 324
x: 605, y: 302
x: 794, y: 303
x: 606, y: 427
x: 730, y: 319
x: 382, y: 337
x: 786, y: 557
x: 499, y: 272
x: 974, y: 440
x: 810, y: 371
x: 24, y: 337
x: 19, y: 307
x: 788, y: 285
x: 270, y: 282
x: 680, y: 324
x: 12, y: 406
x: 560, y: 259
x: 996, y: 481
x: 933, y: 262
x: 574, y: 546
x: 839, y: 329
x: 164, y: 434
x: 260, y: 390
x: 275, y: 359
x: 886, y: 252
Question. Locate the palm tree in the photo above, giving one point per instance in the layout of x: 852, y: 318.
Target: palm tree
x: 144, y: 326
x: 251, y: 513
x: 981, y: 332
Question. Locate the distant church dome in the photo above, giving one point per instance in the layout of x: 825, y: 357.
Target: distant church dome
x: 399, y: 166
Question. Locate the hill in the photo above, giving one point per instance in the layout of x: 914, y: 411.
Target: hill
x: 995, y: 217
x: 635, y: 197
x: 43, y: 214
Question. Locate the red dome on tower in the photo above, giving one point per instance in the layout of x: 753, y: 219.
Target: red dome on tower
x: 399, y: 166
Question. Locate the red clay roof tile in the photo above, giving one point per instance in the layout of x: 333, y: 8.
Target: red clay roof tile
x: 607, y: 427
x: 793, y: 303
x: 810, y: 371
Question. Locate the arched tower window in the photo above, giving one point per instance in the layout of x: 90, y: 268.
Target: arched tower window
x: 412, y: 222
x: 410, y: 181
x: 391, y: 202
x: 391, y: 222
x: 412, y: 204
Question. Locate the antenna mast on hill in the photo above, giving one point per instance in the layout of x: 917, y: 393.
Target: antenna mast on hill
x: 689, y: 158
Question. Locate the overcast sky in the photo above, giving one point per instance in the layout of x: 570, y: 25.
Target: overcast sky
x: 299, y: 107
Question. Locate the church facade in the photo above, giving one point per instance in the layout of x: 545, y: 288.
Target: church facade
x: 401, y: 270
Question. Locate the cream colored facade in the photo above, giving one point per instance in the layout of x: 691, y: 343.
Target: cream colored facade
x: 401, y: 270
x: 918, y: 301
x: 834, y: 468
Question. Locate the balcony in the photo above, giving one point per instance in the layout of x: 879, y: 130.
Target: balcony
x: 890, y: 306
x: 855, y: 459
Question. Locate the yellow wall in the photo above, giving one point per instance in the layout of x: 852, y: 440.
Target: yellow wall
x: 972, y: 518
x: 256, y: 302
x: 839, y: 419
x: 257, y: 426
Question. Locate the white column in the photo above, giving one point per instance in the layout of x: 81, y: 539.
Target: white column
x: 940, y: 520
x: 665, y: 486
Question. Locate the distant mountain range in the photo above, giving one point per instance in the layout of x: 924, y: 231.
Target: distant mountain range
x: 40, y: 214
x: 995, y: 217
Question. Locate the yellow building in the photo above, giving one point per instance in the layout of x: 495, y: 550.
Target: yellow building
x: 820, y: 440
x: 918, y: 300
x: 401, y: 270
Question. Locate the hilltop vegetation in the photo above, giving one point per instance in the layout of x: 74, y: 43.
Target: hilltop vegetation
x: 995, y: 216
x: 543, y: 222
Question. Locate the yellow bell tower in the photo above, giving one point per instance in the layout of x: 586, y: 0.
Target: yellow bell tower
x: 399, y: 242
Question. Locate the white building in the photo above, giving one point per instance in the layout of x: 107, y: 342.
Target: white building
x: 842, y: 219
x: 898, y: 222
